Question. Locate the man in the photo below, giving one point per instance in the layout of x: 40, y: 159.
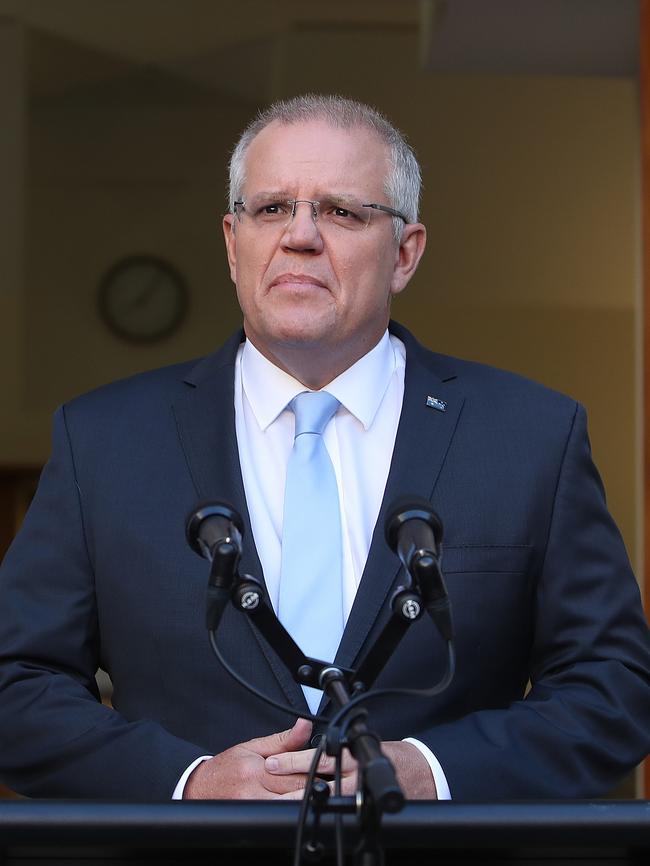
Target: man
x: 322, y: 233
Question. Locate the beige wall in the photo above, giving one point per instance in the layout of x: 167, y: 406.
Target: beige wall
x: 531, y: 190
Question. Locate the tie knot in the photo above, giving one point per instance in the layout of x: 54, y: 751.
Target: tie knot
x: 313, y: 409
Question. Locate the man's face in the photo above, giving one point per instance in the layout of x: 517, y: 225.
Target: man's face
x: 307, y: 289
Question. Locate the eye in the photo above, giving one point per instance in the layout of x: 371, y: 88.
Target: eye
x: 344, y: 213
x: 270, y: 210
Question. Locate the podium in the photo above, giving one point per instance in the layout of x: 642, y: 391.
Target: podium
x: 564, y: 833
x: 59, y: 833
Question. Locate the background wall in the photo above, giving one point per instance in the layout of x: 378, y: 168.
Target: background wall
x: 531, y: 198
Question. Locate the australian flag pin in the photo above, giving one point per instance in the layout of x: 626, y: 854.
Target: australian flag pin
x: 435, y: 403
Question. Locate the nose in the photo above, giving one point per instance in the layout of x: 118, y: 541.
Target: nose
x: 302, y: 232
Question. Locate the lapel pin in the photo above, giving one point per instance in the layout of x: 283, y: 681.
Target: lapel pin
x: 435, y: 403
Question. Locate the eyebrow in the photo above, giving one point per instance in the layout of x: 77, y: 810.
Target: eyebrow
x: 275, y: 194
x: 283, y: 195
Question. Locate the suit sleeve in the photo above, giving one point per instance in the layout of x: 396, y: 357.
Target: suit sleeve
x: 586, y: 717
x: 57, y: 738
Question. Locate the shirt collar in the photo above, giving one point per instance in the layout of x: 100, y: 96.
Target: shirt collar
x: 360, y: 388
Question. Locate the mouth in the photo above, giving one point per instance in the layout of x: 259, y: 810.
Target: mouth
x: 297, y: 280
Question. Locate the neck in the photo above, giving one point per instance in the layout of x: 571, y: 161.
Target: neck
x: 312, y: 368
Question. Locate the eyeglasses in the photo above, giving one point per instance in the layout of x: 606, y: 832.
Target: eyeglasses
x: 340, y: 212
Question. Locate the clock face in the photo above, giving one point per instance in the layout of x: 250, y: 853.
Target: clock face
x: 142, y: 299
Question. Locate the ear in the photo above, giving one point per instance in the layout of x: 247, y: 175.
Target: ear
x: 408, y: 255
x: 230, y: 238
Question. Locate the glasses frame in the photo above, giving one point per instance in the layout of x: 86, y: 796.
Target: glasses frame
x: 314, y: 208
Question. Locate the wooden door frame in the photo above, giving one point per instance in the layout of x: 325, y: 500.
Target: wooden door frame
x: 644, y: 100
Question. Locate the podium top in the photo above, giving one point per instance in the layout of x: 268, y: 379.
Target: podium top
x: 620, y: 825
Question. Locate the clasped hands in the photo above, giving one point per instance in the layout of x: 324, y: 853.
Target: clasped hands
x: 276, y: 768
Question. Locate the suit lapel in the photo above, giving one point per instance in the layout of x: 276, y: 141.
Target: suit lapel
x: 423, y: 439
x: 205, y: 418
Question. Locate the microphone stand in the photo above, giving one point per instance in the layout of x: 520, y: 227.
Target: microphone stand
x: 379, y: 790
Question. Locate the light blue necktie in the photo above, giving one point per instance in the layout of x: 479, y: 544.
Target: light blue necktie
x: 311, y: 591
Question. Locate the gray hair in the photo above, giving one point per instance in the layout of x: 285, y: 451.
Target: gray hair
x: 403, y: 180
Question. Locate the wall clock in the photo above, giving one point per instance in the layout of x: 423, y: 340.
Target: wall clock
x: 142, y: 299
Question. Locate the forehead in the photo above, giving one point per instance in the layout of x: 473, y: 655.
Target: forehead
x: 313, y: 156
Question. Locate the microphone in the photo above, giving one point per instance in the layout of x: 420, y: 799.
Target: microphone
x: 414, y: 532
x: 214, y: 527
x: 214, y: 531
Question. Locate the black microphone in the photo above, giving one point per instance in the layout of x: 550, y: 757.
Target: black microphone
x: 214, y: 530
x: 414, y: 532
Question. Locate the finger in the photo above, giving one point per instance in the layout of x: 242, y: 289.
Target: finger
x: 300, y: 762
x: 299, y: 794
x: 327, y: 764
x: 284, y: 784
x: 349, y: 784
x: 292, y: 795
x: 287, y: 763
x: 284, y: 741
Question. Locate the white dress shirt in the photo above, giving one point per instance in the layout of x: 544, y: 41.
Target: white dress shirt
x: 360, y: 439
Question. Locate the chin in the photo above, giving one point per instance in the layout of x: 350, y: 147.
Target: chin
x: 305, y: 337
x: 305, y: 329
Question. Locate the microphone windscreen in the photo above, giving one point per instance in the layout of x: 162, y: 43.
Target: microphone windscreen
x: 410, y: 508
x: 209, y: 522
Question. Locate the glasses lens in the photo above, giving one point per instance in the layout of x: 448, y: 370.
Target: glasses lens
x: 344, y: 213
x: 267, y: 211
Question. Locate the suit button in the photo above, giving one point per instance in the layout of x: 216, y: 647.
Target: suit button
x: 316, y: 740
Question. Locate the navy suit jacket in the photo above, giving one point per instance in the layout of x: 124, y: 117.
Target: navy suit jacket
x: 540, y: 583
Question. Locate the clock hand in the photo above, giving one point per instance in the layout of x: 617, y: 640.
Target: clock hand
x: 143, y: 296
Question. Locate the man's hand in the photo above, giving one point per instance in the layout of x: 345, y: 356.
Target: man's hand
x: 413, y: 772
x: 239, y: 772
